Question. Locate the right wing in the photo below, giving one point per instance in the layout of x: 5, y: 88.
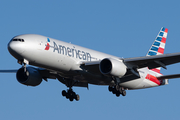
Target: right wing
x: 48, y: 74
x: 8, y: 71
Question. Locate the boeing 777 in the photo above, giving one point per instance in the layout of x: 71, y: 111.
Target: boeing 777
x: 73, y: 65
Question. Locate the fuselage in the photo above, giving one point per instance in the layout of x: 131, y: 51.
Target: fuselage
x: 66, y: 58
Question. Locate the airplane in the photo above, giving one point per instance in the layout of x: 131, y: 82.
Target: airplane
x: 72, y: 65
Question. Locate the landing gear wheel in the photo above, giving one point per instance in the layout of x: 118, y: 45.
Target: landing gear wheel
x: 114, y: 91
x: 64, y: 93
x: 110, y: 89
x: 120, y: 90
x: 77, y: 97
x: 71, y: 98
x: 117, y: 90
x: 123, y: 93
x: 118, y: 93
x: 70, y: 94
x: 67, y: 96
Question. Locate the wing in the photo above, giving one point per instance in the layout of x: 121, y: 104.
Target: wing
x: 137, y: 62
x: 153, y: 61
x: 48, y: 74
x: 8, y: 71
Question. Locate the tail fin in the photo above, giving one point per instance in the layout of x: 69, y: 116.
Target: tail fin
x: 158, y: 46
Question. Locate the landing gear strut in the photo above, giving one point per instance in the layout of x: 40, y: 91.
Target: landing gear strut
x: 23, y: 62
x: 71, y: 95
x: 117, y: 90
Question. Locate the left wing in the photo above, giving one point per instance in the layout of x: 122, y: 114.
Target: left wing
x: 138, y: 62
x: 153, y: 61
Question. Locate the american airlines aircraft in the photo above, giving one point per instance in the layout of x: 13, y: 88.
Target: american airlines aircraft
x: 73, y: 65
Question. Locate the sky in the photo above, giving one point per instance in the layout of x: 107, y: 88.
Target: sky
x: 117, y: 27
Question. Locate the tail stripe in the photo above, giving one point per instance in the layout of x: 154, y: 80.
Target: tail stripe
x: 161, y: 50
x: 154, y: 48
x: 163, y: 40
x: 159, y: 43
x: 158, y: 46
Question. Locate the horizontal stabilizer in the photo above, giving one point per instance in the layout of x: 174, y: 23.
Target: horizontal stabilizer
x: 169, y: 76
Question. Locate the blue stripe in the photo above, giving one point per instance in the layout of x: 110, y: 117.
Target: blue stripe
x: 161, y: 34
x: 48, y: 39
x: 159, y: 39
x: 163, y: 29
x: 154, y: 48
x: 152, y: 53
x: 156, y: 44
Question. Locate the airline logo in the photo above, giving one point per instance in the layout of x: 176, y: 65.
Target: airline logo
x: 68, y: 51
x: 48, y: 44
x: 159, y: 44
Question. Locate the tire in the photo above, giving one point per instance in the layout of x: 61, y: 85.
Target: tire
x: 71, y: 98
x: 120, y: 90
x: 77, y: 97
x: 67, y: 96
x: 64, y: 93
x: 114, y: 91
x: 118, y: 94
x: 123, y: 93
x: 110, y: 89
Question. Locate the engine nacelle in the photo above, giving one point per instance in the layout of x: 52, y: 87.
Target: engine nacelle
x: 31, y: 77
x: 109, y: 66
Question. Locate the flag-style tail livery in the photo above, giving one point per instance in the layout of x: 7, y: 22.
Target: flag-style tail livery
x: 158, y: 46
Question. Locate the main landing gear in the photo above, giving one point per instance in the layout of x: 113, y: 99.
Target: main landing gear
x: 117, y: 90
x: 71, y: 95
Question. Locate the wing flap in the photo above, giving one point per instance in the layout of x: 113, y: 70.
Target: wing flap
x: 92, y: 67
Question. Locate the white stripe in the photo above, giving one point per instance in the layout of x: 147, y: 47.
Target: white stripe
x: 165, y: 35
x: 162, y: 45
x: 159, y: 53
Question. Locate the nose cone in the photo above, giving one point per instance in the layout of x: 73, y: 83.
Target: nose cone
x: 15, y: 48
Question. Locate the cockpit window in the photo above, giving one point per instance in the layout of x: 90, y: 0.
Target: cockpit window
x: 21, y: 40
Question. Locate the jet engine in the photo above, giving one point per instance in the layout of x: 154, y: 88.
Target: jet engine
x: 109, y: 66
x: 29, y: 77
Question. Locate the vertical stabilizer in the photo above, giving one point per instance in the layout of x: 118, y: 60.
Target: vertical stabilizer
x: 158, y: 46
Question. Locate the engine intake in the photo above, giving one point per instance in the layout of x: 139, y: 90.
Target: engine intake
x: 109, y: 66
x: 31, y: 77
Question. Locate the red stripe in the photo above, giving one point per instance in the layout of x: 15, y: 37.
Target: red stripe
x: 166, y: 30
x: 153, y: 79
x: 47, y: 46
x: 163, y: 40
x: 156, y: 70
x: 161, y: 50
